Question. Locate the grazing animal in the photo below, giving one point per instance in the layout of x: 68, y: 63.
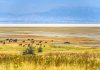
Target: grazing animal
x: 20, y: 44
x: 29, y: 45
x: 67, y: 43
x: 23, y: 41
x: 28, y: 39
x: 37, y: 44
x: 7, y: 39
x: 40, y: 42
x: 1, y: 41
x: 45, y: 42
x: 24, y: 45
x: 32, y: 41
x: 15, y: 40
x: 4, y: 42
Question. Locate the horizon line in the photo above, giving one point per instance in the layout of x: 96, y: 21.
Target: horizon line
x: 49, y: 25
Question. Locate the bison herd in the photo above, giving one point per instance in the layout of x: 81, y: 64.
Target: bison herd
x: 29, y: 42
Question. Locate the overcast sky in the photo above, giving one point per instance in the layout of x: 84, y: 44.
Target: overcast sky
x: 49, y: 11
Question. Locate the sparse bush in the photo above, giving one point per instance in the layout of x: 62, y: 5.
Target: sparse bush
x: 40, y: 49
x: 29, y: 50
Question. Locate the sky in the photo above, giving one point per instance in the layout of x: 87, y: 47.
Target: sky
x: 50, y: 11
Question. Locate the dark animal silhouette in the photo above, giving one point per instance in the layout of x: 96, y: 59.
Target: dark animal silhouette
x: 20, y: 44
x: 67, y: 43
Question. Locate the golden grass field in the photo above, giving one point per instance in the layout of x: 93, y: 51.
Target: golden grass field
x: 51, y: 56
x: 55, y: 58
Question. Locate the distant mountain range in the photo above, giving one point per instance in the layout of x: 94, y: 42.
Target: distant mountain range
x: 57, y: 15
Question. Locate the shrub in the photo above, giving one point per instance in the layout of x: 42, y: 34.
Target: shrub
x: 29, y: 50
x: 40, y: 49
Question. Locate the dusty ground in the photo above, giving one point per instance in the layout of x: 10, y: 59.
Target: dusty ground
x: 74, y: 35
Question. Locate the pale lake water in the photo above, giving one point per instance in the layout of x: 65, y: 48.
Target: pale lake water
x: 53, y: 34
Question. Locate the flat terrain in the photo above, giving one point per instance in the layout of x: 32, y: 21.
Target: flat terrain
x: 58, y: 48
